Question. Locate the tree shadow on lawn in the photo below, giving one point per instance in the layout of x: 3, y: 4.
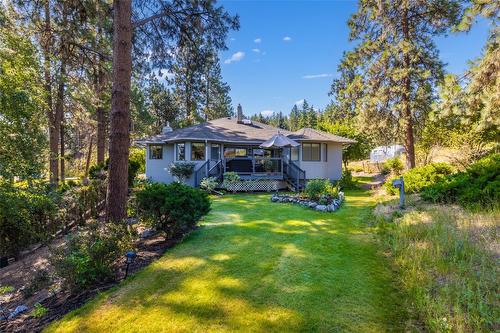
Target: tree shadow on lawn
x: 277, y: 267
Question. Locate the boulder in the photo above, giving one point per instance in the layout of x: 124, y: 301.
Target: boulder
x: 321, y: 208
x: 312, y: 204
x: 146, y: 233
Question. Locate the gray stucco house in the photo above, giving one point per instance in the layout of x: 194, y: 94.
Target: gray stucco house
x: 232, y: 144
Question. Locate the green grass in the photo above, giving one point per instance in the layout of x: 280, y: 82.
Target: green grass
x: 448, y: 266
x: 261, y: 267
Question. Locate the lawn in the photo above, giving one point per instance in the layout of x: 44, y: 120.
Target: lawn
x: 262, y: 267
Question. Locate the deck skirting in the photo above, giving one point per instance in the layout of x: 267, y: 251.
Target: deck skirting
x: 255, y: 185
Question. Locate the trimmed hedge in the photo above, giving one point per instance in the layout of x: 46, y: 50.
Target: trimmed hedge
x: 419, y: 178
x: 479, y: 185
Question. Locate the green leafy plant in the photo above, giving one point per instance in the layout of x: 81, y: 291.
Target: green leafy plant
x: 316, y: 187
x: 39, y: 310
x: 479, y: 185
x: 229, y: 179
x: 174, y: 208
x: 393, y: 166
x: 6, y: 289
x: 182, y: 170
x: 346, y: 181
x: 27, y: 215
x: 418, y: 178
x: 209, y: 184
x: 88, y: 257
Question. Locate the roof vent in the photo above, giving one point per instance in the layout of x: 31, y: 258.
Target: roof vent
x: 166, y: 129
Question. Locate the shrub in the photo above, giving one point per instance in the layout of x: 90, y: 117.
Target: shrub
x: 230, y: 178
x: 88, y: 257
x: 182, y: 170
x: 138, y: 156
x: 174, y: 208
x: 135, y: 166
x: 393, y: 166
x: 479, y: 185
x: 209, y: 184
x: 418, y: 178
x: 316, y: 187
x: 39, y: 310
x: 347, y: 182
x: 133, y: 169
x: 26, y: 216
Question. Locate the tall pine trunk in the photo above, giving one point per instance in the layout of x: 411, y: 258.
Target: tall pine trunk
x: 408, y: 120
x: 119, y: 138
x: 63, y: 166
x: 53, y: 131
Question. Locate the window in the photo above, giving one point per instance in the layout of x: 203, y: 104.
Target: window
x: 311, y: 152
x: 325, y: 155
x: 180, y: 149
x: 235, y: 152
x: 295, y: 154
x: 155, y: 152
x: 197, y: 151
x: 215, y: 151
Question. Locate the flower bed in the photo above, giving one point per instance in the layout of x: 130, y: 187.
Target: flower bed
x: 330, y: 205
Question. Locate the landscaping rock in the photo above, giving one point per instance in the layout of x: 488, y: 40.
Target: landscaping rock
x: 332, y: 206
x: 18, y: 310
x: 321, y: 208
x: 148, y: 233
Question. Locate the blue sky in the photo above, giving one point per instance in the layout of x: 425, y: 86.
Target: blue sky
x: 286, y: 51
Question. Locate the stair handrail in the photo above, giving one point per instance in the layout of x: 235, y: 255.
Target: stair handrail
x: 197, y: 173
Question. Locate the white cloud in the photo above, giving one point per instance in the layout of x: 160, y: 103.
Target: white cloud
x: 256, y: 50
x: 300, y: 102
x: 233, y: 39
x: 287, y: 39
x: 317, y: 76
x: 257, y: 40
x: 235, y: 57
x: 267, y: 113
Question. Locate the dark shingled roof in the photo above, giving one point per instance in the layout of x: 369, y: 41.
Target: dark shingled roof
x: 310, y: 134
x: 229, y: 130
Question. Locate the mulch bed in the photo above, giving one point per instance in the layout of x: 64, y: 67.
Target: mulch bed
x: 63, y: 302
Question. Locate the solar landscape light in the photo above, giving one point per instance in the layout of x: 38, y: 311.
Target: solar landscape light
x: 130, y: 256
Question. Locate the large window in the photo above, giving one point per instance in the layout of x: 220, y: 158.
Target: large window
x: 197, y: 151
x: 295, y: 153
x: 311, y: 152
x: 155, y: 152
x: 180, y: 150
x: 215, y: 151
x: 235, y: 152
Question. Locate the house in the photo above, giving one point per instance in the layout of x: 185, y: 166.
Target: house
x: 233, y: 144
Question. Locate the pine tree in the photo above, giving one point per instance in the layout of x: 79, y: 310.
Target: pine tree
x: 293, y: 120
x: 391, y: 73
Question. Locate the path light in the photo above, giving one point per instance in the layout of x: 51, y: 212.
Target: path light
x: 130, y: 255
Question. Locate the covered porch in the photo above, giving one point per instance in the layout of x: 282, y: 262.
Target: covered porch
x: 253, y: 162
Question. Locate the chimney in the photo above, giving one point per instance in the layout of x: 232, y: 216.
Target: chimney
x: 166, y: 129
x: 240, y: 113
